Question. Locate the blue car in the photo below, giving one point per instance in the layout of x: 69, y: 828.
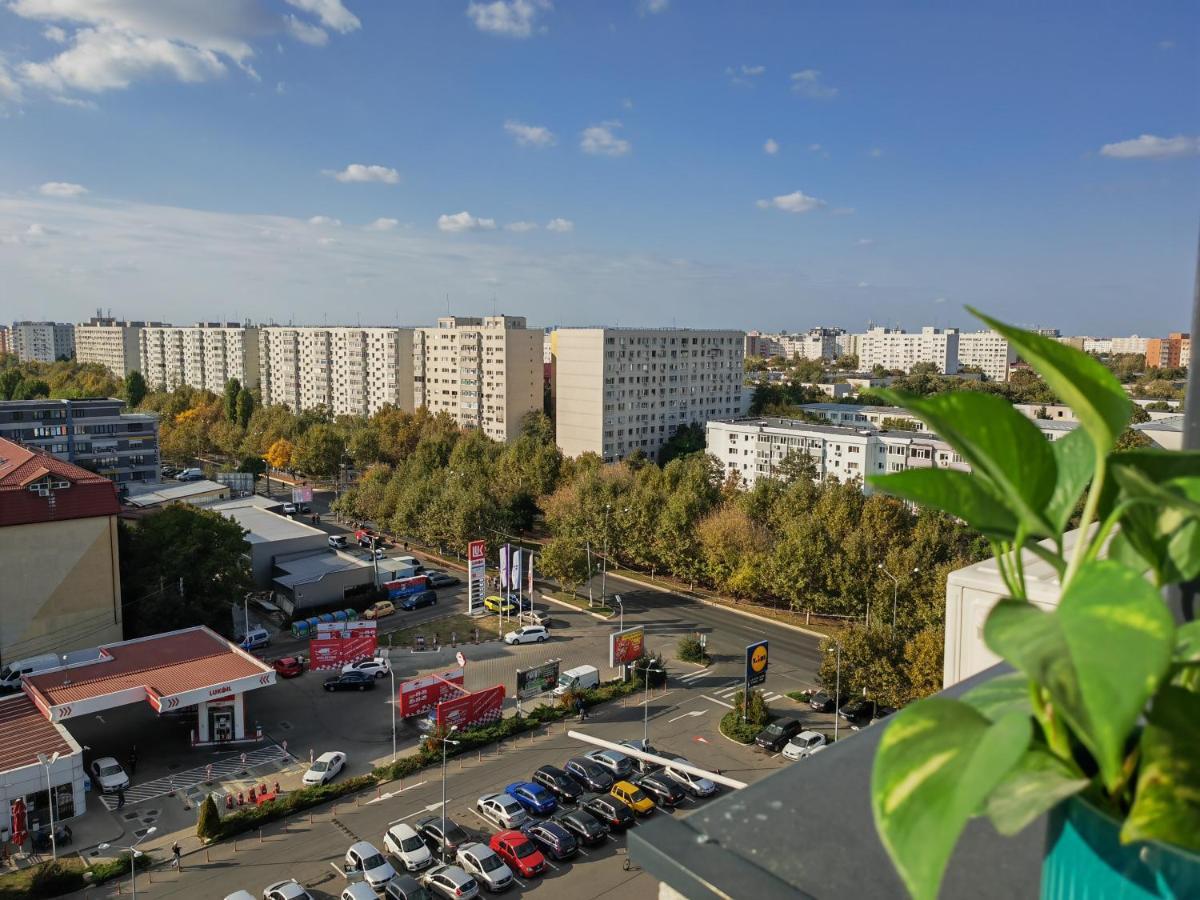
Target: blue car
x: 535, y: 798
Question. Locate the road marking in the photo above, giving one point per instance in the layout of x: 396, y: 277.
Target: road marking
x: 553, y: 866
x: 663, y: 694
x: 390, y: 794
x: 584, y: 852
x: 772, y: 696
x: 229, y: 767
x: 520, y: 883
x: 715, y: 700
x: 693, y: 676
x: 729, y: 692
x: 694, y: 712
x: 432, y: 806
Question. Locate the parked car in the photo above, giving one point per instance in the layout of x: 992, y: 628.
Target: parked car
x: 256, y: 638
x: 405, y: 887
x: 664, y: 789
x: 696, y: 785
x: 822, y: 702
x: 501, y: 605
x: 286, y: 890
x: 534, y: 617
x: 451, y: 882
x: 579, y: 678
x: 416, y: 601
x: 590, y: 774
x: 376, y: 667
x: 633, y: 797
x: 190, y: 475
x: 289, y: 509
x: 359, y: 890
x: 484, y: 864
x: 564, y: 788
x: 641, y: 765
x: 443, y: 846
x: 859, y: 711
x: 804, y: 745
x: 336, y: 541
x: 502, y: 810
x: 618, y: 764
x: 584, y: 825
x: 535, y: 798
x: 325, y: 768
x: 553, y: 839
x: 609, y: 810
x: 438, y: 578
x: 403, y: 842
x: 774, y: 736
x: 527, y: 634
x: 380, y: 609
x: 521, y: 854
x: 350, y: 681
x: 363, y: 857
x: 288, y: 667
x: 108, y: 774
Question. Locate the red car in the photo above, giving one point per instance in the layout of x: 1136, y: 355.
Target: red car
x: 519, y: 852
x: 289, y: 667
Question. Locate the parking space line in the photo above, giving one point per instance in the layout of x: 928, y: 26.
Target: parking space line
x: 553, y: 866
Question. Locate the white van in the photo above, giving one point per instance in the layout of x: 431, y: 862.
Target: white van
x: 579, y: 678
x: 10, y: 676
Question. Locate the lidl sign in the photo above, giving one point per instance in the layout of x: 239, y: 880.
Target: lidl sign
x: 756, y: 663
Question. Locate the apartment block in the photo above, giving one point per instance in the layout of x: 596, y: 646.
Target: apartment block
x: 816, y: 343
x: 989, y: 351
x: 486, y: 373
x: 5, y: 344
x: 1131, y: 344
x: 618, y: 390
x: 762, y: 345
x: 112, y: 343
x: 1172, y: 351
x: 898, y: 349
x: 42, y: 341
x: 350, y: 370
x: 205, y: 355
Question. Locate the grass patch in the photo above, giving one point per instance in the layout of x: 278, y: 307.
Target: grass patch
x: 800, y: 696
x: 581, y: 603
x: 441, y: 628
x: 48, y: 879
x: 742, y: 732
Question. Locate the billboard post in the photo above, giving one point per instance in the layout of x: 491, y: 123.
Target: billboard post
x: 756, y: 672
x: 476, y: 574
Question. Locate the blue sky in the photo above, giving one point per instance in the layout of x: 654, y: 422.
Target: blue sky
x: 754, y: 165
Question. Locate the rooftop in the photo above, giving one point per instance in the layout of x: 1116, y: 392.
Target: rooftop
x: 25, y: 732
x: 307, y: 569
x: 67, y: 491
x: 262, y: 525
x: 154, y: 494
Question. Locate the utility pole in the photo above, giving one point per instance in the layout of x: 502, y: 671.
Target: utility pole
x: 604, y: 563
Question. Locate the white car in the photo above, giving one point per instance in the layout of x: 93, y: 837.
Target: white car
x: 107, y: 773
x: 693, y: 784
x: 360, y: 890
x: 450, y: 882
x: 290, y: 509
x: 483, y: 863
x: 403, y: 842
x: 527, y: 634
x: 804, y: 745
x: 286, y: 890
x: 502, y: 810
x: 325, y: 768
x: 378, y: 667
x: 376, y: 870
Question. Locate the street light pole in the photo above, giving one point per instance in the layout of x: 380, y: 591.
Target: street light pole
x: 445, y: 740
x: 604, y: 570
x: 895, y: 593
x: 47, y: 762
x: 646, y: 704
x: 392, y: 675
x: 134, y: 853
x: 837, y: 691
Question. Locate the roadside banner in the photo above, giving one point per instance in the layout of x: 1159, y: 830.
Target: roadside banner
x: 530, y: 576
x: 302, y: 494
x: 480, y: 708
x: 334, y: 644
x: 419, y: 695
x: 505, y: 564
x: 515, y: 580
x: 756, y: 663
x: 476, y: 574
x: 537, y: 679
x: 626, y: 646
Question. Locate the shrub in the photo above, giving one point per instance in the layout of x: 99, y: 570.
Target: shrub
x: 652, y: 666
x: 758, y: 714
x: 733, y: 727
x: 691, y: 650
x: 53, y: 878
x: 115, y: 868
x: 208, y: 823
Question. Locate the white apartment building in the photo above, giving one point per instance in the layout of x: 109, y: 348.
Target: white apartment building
x: 487, y: 373
x: 816, y: 343
x: 762, y: 345
x: 898, y: 349
x: 205, y: 355
x: 1131, y: 344
x: 847, y: 344
x: 42, y: 341
x: 351, y: 370
x: 111, y: 342
x: 1102, y: 346
x: 989, y: 350
x: 618, y: 390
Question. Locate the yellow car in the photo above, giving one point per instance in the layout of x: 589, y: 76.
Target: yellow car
x: 500, y: 604
x: 379, y: 610
x: 633, y: 797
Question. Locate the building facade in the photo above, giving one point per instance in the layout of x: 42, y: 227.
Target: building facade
x: 486, y: 373
x: 5, y: 345
x: 205, y: 355
x: 618, y: 390
x: 1131, y: 344
x: 112, y: 343
x: 987, y: 350
x: 94, y: 434
x: 42, y: 341
x: 898, y: 349
x: 1170, y: 352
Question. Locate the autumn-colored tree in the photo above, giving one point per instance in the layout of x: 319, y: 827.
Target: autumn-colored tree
x: 279, y: 454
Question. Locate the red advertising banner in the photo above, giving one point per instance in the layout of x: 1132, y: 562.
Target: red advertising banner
x: 480, y: 708
x: 626, y: 646
x: 20, y: 824
x: 419, y: 695
x: 337, y: 643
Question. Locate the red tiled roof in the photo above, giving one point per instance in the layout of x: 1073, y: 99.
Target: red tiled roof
x: 170, y: 664
x: 24, y: 733
x: 87, y: 496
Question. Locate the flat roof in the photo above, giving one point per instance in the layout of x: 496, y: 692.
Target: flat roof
x: 254, y: 500
x: 25, y: 732
x: 165, y: 493
x: 307, y: 569
x: 1171, y: 423
x: 263, y: 525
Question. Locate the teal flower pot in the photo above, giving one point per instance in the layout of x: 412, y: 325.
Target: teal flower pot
x: 1085, y: 860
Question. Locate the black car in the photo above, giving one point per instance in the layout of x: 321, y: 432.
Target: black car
x: 609, y: 810
x: 822, y: 702
x: 858, y: 712
x: 662, y: 788
x: 430, y: 830
x: 584, y: 825
x: 593, y: 776
x: 564, y: 788
x: 416, y: 601
x: 438, y: 578
x: 351, y: 681
x: 552, y: 839
x: 774, y: 736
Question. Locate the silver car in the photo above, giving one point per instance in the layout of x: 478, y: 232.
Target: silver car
x: 502, y: 810
x: 618, y: 764
x: 450, y: 882
x: 693, y: 784
x: 485, y: 865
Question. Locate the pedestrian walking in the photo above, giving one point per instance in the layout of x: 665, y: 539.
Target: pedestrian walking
x: 120, y: 798
x: 177, y: 856
x: 581, y: 709
x: 133, y: 761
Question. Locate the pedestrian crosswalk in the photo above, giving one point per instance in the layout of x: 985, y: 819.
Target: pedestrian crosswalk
x: 272, y: 754
x: 729, y: 691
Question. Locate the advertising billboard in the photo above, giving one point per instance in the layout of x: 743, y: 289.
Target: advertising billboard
x: 476, y: 574
x: 537, y: 679
x: 626, y: 646
x: 419, y: 695
x: 756, y: 663
x: 334, y: 644
x: 480, y: 708
x: 302, y: 494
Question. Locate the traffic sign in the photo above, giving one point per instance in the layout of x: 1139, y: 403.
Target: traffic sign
x: 756, y: 663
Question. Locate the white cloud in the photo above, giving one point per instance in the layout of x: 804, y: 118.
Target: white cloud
x: 331, y: 13
x: 383, y: 225
x: 560, y: 225
x: 744, y: 74
x: 521, y: 226
x: 325, y: 220
x: 864, y: 242
x: 808, y: 83
x: 464, y: 221
x: 1149, y: 146
x: 306, y: 32
x: 55, y: 34
x: 10, y: 90
x: 62, y: 189
x: 771, y: 147
x: 599, y: 140
x: 939, y: 299
x: 654, y: 7
x: 530, y: 135
x: 627, y: 103
x: 511, y: 18
x: 357, y: 173
x: 815, y: 148
x: 326, y: 241
x: 795, y: 202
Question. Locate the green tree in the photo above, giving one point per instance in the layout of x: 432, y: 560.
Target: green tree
x: 847, y: 362
x: 319, y: 451
x: 208, y: 823
x: 232, y: 388
x: 31, y: 389
x: 688, y: 438
x: 135, y: 389
x: 808, y: 370
x: 244, y: 408
x: 563, y: 561
x: 9, y: 379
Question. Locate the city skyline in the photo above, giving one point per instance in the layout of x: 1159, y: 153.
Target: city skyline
x: 342, y: 163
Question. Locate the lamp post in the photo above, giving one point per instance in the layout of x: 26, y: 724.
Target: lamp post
x: 646, y: 703
x: 392, y: 675
x: 837, y: 689
x: 445, y: 740
x: 621, y: 607
x: 895, y: 592
x: 604, y: 569
x: 134, y: 853
x: 47, y: 762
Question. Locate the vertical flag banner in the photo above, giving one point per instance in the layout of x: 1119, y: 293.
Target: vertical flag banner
x: 505, y: 563
x: 515, y: 580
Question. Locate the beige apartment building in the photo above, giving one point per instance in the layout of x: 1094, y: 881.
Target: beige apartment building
x: 989, y: 350
x: 487, y: 373
x: 348, y: 369
x: 205, y: 355
x: 618, y: 390
x: 111, y: 342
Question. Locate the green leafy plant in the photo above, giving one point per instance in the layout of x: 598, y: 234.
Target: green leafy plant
x: 208, y: 822
x: 1105, y: 702
x: 691, y: 650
